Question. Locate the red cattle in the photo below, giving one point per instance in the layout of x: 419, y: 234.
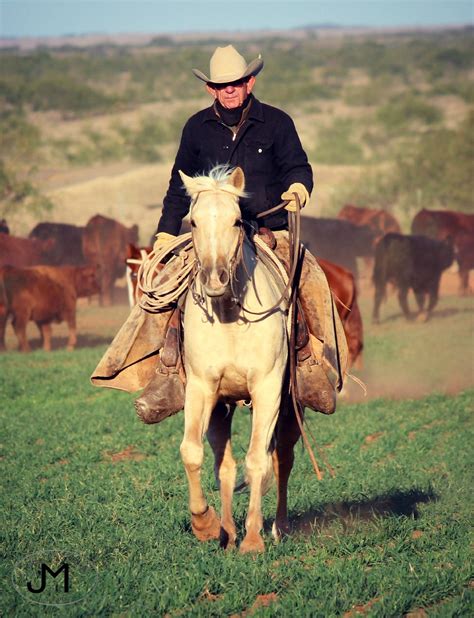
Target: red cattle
x: 380, y: 221
x: 21, y: 252
x: 43, y: 294
x: 343, y: 288
x: 68, y: 242
x: 340, y: 280
x: 459, y: 226
x: 104, y: 242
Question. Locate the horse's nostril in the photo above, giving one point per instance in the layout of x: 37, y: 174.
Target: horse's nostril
x: 204, y: 277
x: 223, y: 276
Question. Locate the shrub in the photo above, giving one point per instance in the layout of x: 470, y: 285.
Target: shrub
x: 336, y: 146
x: 406, y: 110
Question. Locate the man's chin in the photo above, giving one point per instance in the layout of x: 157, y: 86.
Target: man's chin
x: 231, y: 104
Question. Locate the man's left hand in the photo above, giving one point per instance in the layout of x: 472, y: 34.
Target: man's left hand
x: 301, y: 191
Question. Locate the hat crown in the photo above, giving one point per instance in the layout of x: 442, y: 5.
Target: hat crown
x: 227, y: 64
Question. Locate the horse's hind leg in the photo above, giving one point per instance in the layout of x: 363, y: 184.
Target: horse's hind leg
x: 197, y: 411
x: 258, y: 463
x: 218, y: 434
x: 287, y: 434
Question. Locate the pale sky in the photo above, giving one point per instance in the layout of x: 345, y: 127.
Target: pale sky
x: 59, y: 17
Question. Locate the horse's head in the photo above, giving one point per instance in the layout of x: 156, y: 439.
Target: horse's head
x: 216, y: 223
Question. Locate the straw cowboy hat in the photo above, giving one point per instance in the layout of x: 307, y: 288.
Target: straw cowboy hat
x: 227, y: 65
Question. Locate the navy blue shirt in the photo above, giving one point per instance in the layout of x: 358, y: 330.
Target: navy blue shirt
x: 267, y: 148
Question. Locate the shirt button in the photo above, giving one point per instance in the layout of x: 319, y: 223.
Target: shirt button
x: 259, y: 150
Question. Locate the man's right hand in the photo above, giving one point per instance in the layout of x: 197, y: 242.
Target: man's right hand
x: 162, y: 240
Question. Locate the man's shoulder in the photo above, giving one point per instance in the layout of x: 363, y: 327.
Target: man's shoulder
x: 270, y: 112
x: 200, y: 116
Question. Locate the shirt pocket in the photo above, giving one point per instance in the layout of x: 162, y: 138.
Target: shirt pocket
x: 258, y: 156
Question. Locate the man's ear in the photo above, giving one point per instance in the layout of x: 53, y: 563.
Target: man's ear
x: 251, y: 83
x: 211, y: 91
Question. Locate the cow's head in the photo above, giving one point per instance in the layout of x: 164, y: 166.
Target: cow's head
x: 86, y: 280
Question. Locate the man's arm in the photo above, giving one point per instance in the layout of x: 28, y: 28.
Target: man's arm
x: 176, y: 202
x: 290, y: 156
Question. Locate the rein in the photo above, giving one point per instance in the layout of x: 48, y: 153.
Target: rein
x: 296, y: 254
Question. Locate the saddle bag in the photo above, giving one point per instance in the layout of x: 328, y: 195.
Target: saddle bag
x: 164, y: 394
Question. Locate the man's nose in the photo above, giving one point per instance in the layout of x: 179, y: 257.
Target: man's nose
x: 230, y: 89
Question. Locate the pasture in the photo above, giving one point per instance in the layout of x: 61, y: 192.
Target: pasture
x: 386, y: 120
x: 387, y: 536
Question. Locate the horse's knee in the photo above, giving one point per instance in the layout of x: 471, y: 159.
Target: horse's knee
x: 192, y: 454
x: 257, y: 466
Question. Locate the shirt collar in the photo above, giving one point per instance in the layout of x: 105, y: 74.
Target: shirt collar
x: 255, y: 112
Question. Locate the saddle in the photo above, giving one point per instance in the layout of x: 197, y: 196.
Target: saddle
x: 315, y: 388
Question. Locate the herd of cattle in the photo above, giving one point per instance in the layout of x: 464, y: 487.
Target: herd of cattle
x: 42, y: 276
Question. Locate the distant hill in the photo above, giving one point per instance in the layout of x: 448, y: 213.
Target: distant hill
x: 143, y: 39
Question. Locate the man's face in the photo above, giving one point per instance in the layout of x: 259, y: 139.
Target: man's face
x: 231, y: 95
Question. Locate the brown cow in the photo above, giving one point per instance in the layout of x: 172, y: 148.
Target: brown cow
x: 17, y: 251
x: 380, y: 221
x: 104, y: 242
x: 340, y: 280
x: 43, y: 294
x: 444, y: 224
x: 343, y: 288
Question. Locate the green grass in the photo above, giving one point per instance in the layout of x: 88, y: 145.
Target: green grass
x: 389, y: 534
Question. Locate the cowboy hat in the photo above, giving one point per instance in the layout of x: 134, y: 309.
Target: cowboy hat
x: 227, y: 65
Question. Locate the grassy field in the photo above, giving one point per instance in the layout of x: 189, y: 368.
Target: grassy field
x: 386, y: 120
x: 388, y: 536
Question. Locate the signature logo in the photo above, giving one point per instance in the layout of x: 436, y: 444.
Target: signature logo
x: 54, y: 577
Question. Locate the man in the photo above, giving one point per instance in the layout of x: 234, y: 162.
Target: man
x: 238, y: 130
x: 241, y: 131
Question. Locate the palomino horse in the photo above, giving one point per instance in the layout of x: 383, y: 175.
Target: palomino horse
x: 233, y: 354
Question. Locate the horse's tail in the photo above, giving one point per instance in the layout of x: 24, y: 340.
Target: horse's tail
x: 267, y: 481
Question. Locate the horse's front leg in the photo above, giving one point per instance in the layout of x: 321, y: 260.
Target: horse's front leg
x: 219, y: 434
x: 197, y: 411
x: 258, y: 463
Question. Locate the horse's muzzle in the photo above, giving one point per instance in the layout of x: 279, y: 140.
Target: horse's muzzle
x: 215, y: 281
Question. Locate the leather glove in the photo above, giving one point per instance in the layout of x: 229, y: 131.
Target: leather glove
x: 300, y: 189
x: 162, y: 239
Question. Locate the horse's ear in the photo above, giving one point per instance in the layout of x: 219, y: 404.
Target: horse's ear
x: 237, y: 179
x: 188, y: 183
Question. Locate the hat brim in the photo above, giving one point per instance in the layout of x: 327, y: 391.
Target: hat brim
x: 253, y: 68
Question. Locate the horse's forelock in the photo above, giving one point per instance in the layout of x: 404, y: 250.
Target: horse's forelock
x: 217, y: 180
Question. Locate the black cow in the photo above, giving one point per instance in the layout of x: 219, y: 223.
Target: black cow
x: 68, y: 246
x: 337, y: 240
x: 415, y: 262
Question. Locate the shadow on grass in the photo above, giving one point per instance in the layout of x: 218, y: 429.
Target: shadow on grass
x: 437, y: 313
x: 400, y: 503
x: 85, y: 340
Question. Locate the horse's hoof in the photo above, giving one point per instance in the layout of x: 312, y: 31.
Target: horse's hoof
x: 280, y: 530
x: 252, y: 545
x: 227, y: 539
x: 207, y: 526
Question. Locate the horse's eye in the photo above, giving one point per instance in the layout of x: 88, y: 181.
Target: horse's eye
x: 238, y: 223
x: 193, y: 223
